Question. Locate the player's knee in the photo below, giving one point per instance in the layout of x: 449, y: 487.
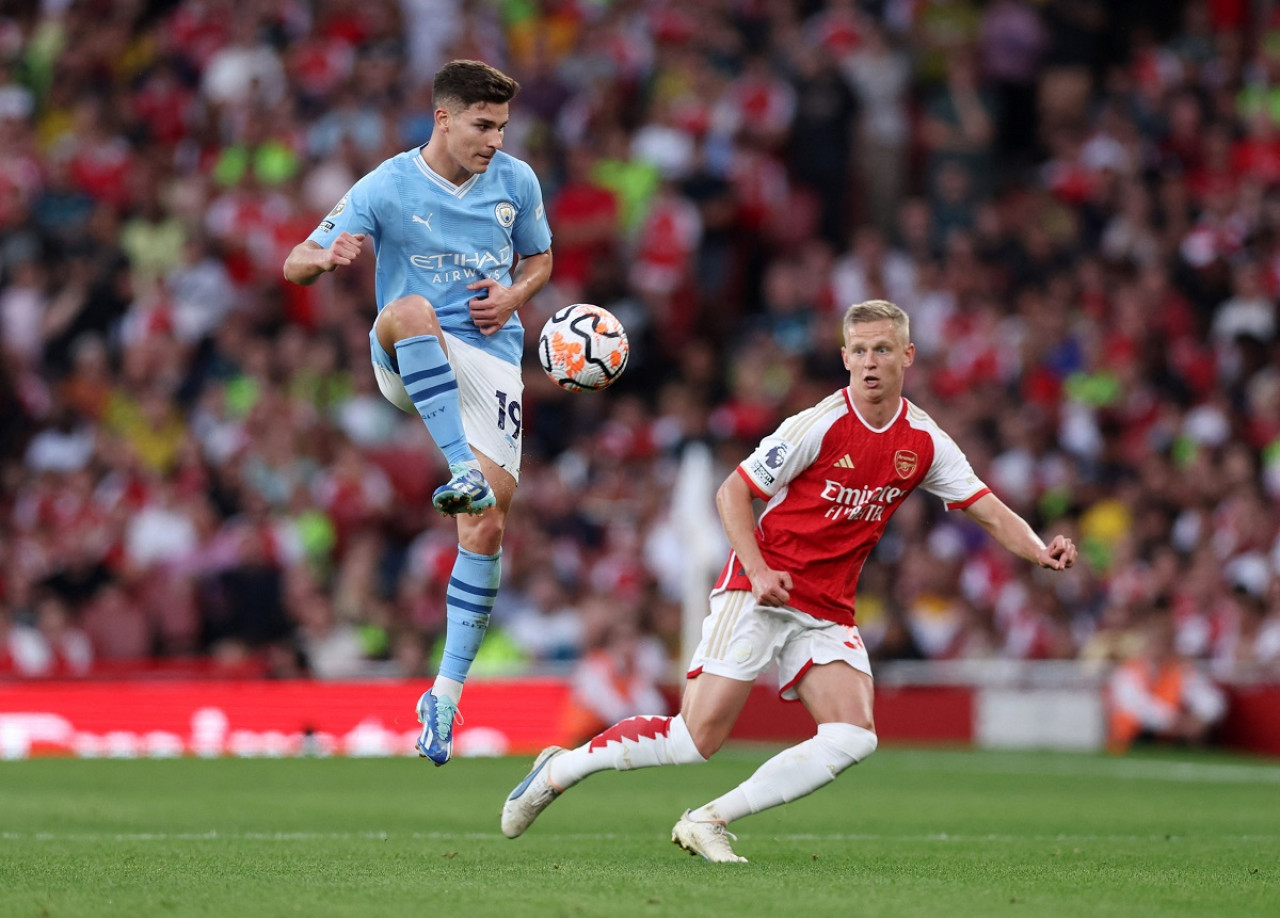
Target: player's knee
x: 483, y: 533
x: 689, y: 744
x: 707, y: 746
x: 407, y: 317
x: 414, y: 303
x: 848, y: 744
x: 707, y: 738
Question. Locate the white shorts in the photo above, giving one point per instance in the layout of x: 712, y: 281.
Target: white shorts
x: 740, y: 638
x: 489, y: 390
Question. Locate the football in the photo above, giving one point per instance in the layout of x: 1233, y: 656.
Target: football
x: 583, y: 348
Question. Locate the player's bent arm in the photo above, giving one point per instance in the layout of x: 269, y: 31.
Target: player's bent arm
x: 1016, y: 534
x: 305, y: 263
x: 530, y: 276
x: 737, y: 516
x: 491, y: 310
x: 309, y: 260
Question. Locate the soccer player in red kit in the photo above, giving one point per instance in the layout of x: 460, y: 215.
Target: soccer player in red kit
x: 831, y: 476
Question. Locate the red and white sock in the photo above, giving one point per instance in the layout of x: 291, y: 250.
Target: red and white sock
x: 637, y: 742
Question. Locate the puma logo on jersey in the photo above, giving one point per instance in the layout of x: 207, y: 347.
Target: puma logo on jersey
x: 426, y: 222
x: 844, y: 462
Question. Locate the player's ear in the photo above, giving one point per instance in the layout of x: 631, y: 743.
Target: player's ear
x: 909, y: 354
x: 844, y: 358
x: 442, y: 118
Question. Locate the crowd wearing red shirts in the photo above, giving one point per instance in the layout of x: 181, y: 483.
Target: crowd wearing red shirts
x: 1077, y: 203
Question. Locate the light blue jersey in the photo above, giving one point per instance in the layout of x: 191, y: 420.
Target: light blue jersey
x: 432, y: 237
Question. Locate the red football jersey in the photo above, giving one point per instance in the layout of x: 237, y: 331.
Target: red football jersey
x: 832, y: 482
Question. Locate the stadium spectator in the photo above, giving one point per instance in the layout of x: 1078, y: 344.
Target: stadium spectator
x: 620, y: 674
x: 246, y: 71
x: 545, y: 622
x: 880, y: 74
x: 586, y: 217
x: 820, y: 151
x: 328, y: 647
x: 56, y: 645
x: 959, y: 131
x: 1012, y: 39
x: 1160, y: 695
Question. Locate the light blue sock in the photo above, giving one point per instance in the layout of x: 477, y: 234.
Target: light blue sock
x: 473, y: 586
x: 430, y: 382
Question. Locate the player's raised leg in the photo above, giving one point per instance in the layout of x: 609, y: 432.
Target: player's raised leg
x: 532, y: 795
x: 637, y: 742
x: 710, y: 706
x: 407, y: 329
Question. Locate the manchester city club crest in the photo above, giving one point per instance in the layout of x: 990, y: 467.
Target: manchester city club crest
x: 506, y: 213
x: 905, y: 462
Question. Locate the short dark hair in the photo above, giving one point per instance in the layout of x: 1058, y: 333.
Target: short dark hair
x: 462, y: 84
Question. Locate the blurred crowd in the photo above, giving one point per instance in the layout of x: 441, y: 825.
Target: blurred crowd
x: 1078, y: 202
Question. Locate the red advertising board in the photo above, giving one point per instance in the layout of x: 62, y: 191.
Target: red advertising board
x: 209, y: 717
x: 206, y: 717
x: 249, y: 717
x: 1253, y: 719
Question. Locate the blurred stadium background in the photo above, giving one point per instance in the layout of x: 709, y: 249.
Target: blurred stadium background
x: 217, y: 537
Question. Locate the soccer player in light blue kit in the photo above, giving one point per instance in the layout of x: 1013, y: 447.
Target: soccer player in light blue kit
x: 461, y: 243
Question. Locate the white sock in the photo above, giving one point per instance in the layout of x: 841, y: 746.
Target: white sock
x: 444, y: 687
x: 793, y: 773
x: 637, y: 742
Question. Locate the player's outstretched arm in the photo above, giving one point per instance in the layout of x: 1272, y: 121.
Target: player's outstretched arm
x: 737, y: 514
x: 309, y: 260
x: 1015, y: 534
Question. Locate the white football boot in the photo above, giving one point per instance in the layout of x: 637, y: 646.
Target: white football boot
x: 531, y: 796
x: 708, y: 840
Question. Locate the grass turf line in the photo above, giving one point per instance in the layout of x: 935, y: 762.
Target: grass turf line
x: 908, y: 833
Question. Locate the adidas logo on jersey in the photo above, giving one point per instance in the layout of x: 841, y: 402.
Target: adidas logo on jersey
x: 844, y: 462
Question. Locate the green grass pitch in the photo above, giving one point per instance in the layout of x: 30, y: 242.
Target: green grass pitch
x: 908, y: 833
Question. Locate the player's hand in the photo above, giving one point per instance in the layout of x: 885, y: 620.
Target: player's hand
x: 343, y: 251
x: 1058, y: 555
x: 492, y: 305
x: 770, y: 587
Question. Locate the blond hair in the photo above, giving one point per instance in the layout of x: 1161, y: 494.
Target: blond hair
x: 875, y: 311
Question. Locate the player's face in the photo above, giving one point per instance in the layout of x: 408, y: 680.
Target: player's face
x: 876, y: 356
x: 473, y: 135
